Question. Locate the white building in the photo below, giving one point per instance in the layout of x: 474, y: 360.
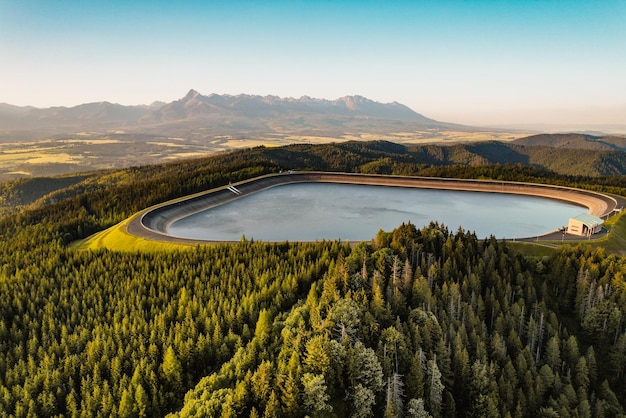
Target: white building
x: 584, y: 225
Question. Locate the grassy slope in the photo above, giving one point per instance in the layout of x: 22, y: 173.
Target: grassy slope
x: 117, y: 238
x: 532, y: 249
x: 613, y: 243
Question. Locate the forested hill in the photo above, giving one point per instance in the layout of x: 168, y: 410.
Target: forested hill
x: 576, y: 141
x: 385, y: 155
x: 418, y: 322
x: 431, y: 323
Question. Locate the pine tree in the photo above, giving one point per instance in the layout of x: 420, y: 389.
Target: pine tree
x: 415, y: 409
x: 127, y: 405
x: 290, y: 395
x: 315, y: 396
x: 262, y: 382
x: 172, y: 369
x: 272, y: 409
x: 263, y: 327
x: 395, y: 392
x: 553, y: 353
x: 436, y: 388
x: 317, y: 360
x: 363, y: 399
x: 142, y: 401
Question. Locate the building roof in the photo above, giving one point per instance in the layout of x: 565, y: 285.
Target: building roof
x: 588, y: 220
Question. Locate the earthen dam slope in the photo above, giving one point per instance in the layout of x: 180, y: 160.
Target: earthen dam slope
x: 154, y: 222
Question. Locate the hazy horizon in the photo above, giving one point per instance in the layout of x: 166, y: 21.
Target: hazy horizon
x: 476, y: 63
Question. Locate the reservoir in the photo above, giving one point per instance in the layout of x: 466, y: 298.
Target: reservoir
x: 353, y: 212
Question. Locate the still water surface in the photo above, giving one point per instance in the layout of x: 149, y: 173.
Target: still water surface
x: 316, y: 211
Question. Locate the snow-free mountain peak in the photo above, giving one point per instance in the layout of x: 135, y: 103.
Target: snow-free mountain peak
x: 224, y: 114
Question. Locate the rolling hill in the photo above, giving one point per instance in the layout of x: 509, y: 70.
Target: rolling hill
x: 575, y: 141
x: 560, y: 161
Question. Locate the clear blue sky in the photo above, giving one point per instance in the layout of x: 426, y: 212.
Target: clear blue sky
x: 460, y: 61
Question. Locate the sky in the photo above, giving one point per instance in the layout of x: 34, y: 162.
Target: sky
x: 474, y: 62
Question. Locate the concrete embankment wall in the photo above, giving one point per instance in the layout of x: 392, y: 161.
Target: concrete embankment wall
x: 155, y: 222
x: 597, y: 203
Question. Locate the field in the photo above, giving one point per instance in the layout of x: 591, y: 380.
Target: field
x: 48, y: 157
x: 87, y: 151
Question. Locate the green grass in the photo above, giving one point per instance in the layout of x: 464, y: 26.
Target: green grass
x: 613, y: 243
x: 532, y: 249
x: 117, y: 238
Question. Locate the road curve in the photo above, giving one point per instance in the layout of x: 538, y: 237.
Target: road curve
x: 153, y: 222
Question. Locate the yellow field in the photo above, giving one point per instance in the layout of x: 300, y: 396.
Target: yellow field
x: 17, y: 151
x: 406, y: 138
x: 165, y: 144
x: 480, y: 136
x: 237, y: 143
x: 19, y: 173
x: 431, y: 137
x: 61, y: 158
x: 17, y: 156
x: 181, y: 155
x: 91, y: 141
x: 311, y: 139
x: 11, y: 159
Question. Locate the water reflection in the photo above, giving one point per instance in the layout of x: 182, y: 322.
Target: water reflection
x: 316, y: 211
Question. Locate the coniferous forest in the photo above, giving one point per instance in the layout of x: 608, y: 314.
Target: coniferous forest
x: 420, y: 321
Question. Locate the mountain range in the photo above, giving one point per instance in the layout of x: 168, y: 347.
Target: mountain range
x: 103, y: 135
x: 220, y: 114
